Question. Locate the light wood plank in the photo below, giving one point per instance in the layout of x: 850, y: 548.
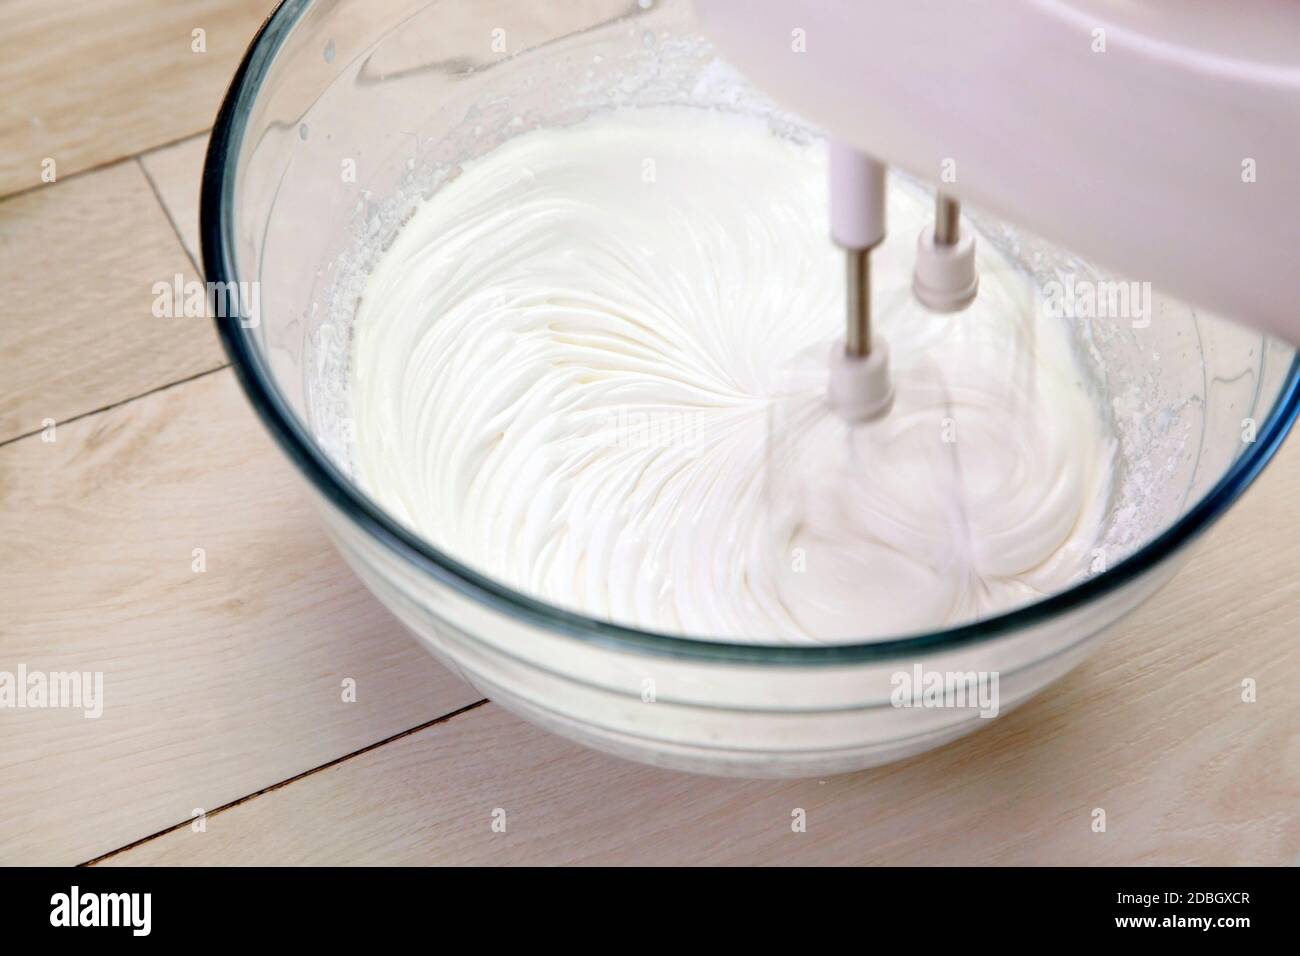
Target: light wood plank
x: 216, y: 684
x: 87, y: 82
x: 78, y: 263
x: 1153, y: 730
x: 176, y: 172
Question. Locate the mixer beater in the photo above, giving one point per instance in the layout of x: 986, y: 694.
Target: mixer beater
x: 944, y: 279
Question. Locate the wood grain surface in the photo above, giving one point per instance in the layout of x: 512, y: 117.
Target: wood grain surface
x: 88, y: 82
x: 217, y: 682
x: 78, y: 264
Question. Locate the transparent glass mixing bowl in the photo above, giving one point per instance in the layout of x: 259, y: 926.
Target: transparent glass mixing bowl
x: 345, y: 113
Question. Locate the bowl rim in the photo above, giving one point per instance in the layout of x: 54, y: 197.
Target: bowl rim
x: 216, y: 217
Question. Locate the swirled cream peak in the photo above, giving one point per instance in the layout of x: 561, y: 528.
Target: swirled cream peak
x: 593, y: 366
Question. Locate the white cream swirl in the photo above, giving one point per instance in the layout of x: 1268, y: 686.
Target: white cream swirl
x: 593, y: 365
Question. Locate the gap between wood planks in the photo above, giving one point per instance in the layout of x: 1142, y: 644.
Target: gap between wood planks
x: 138, y: 159
x: 118, y: 404
x: 171, y: 221
x: 296, y: 777
x: 100, y: 167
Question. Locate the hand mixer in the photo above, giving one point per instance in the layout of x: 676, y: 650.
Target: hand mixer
x: 1160, y: 138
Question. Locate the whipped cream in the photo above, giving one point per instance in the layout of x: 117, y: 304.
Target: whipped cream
x: 593, y: 366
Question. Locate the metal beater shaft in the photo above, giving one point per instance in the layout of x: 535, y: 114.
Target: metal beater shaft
x: 947, y: 220
x: 857, y: 338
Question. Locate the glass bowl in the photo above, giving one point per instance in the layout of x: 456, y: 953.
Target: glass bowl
x: 346, y: 113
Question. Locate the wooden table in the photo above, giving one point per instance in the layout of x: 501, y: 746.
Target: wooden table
x: 150, y: 531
